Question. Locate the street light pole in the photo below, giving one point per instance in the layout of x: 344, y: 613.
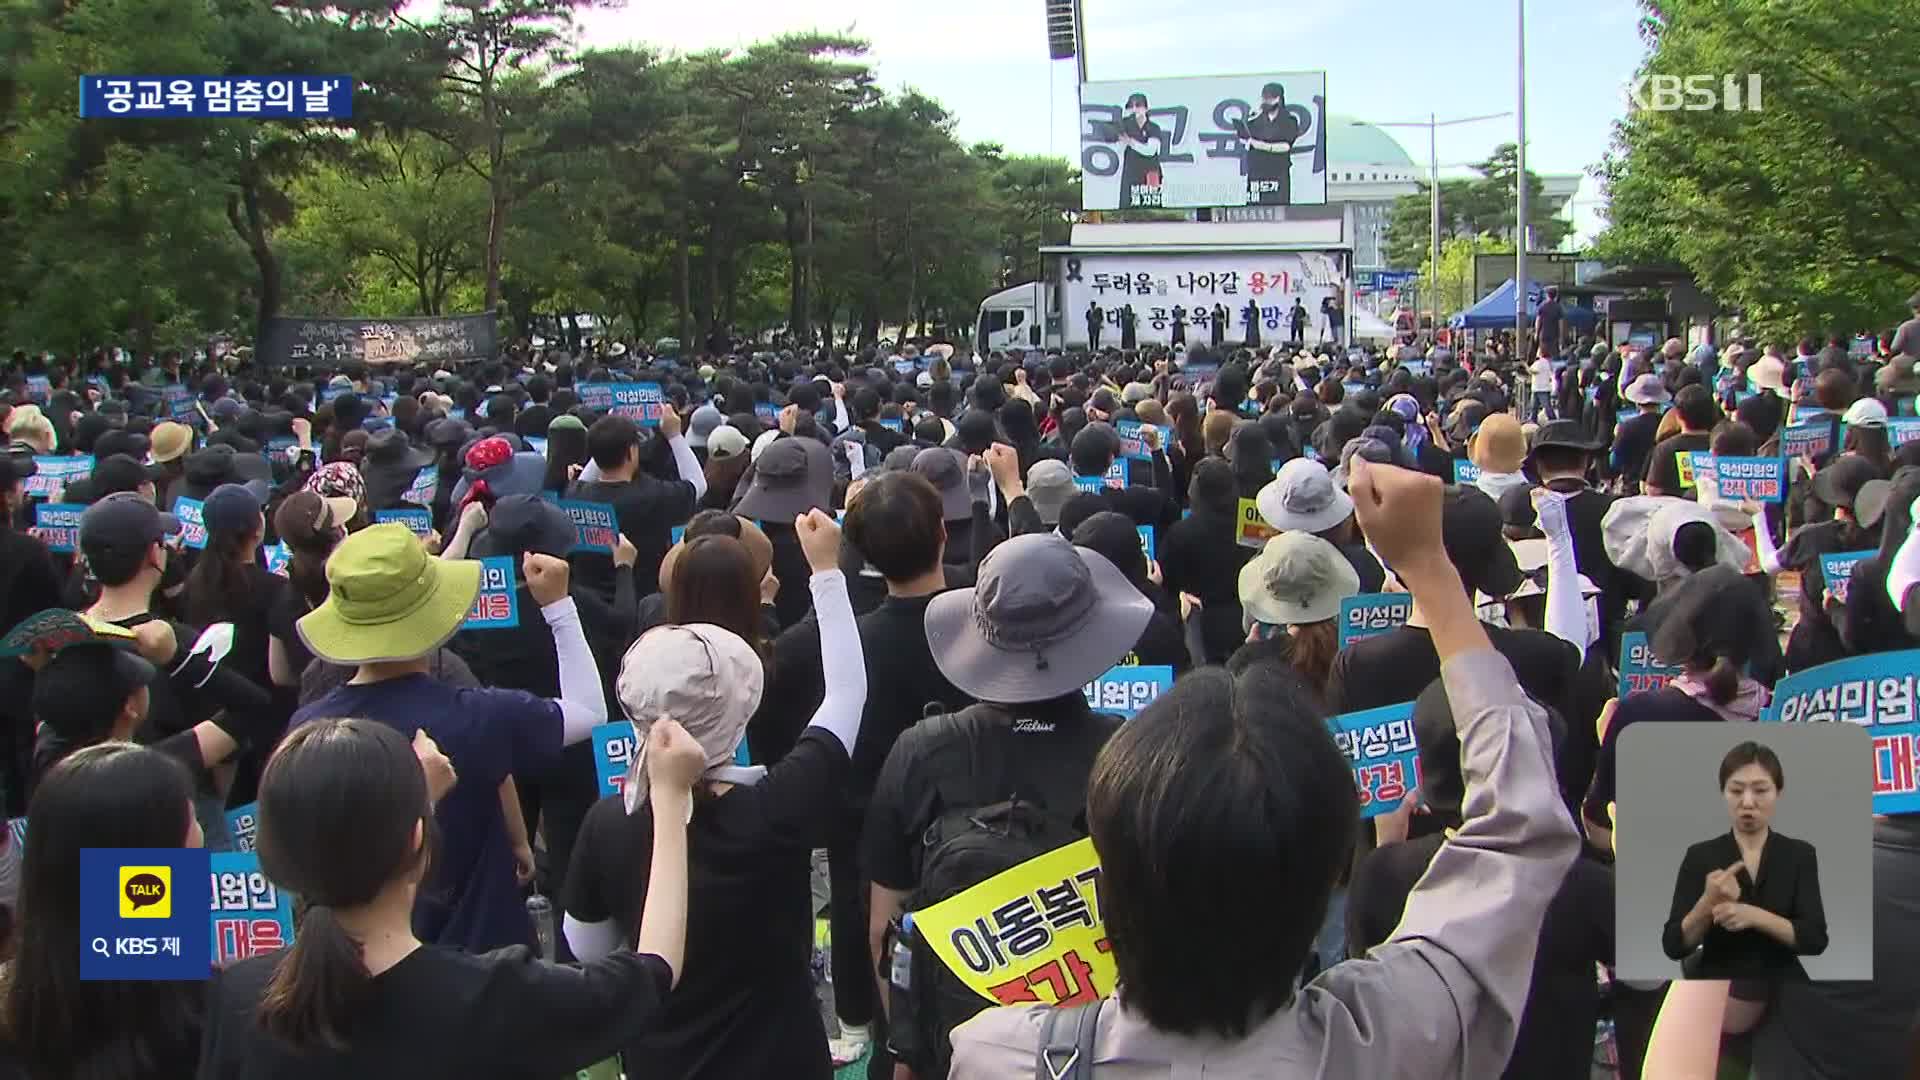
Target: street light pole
x: 1520, y: 199
x: 1433, y: 186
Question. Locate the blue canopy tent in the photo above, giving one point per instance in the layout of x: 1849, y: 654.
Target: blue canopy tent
x: 1495, y: 312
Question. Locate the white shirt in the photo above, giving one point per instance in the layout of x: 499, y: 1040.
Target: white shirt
x: 1543, y: 376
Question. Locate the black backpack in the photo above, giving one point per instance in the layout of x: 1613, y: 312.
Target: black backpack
x: 964, y: 846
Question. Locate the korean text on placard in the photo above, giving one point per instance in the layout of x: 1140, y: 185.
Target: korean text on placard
x: 1876, y: 693
x: 1125, y: 690
x: 1639, y: 668
x: 1385, y: 757
x: 1372, y: 614
x: 250, y: 914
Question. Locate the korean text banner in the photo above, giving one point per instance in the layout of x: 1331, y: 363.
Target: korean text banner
x: 1177, y: 297
x: 1226, y: 140
x: 143, y: 914
x: 285, y: 97
x: 1836, y: 569
x: 418, y: 522
x: 1875, y: 693
x: 1639, y: 669
x: 1809, y: 438
x: 1465, y: 472
x: 641, y: 402
x: 242, y: 823
x: 1133, y: 440
x: 58, y: 525
x: 1372, y: 614
x: 1251, y: 530
x: 498, y: 605
x: 613, y: 746
x: 251, y: 915
x: 433, y: 339
x: 594, y: 526
x: 1385, y: 756
x: 1124, y: 691
x: 53, y: 474
x: 1030, y: 934
x: 1751, y: 479
x: 426, y: 484
x: 193, y: 525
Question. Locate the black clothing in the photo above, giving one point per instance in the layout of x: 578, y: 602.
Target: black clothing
x: 1870, y: 623
x: 1563, y: 1000
x: 1396, y: 666
x: 444, y: 1013
x: 533, y: 420
x: 1198, y: 555
x: 1667, y: 705
x: 1138, y: 170
x: 1788, y: 886
x: 745, y: 1005
x: 1663, y: 468
x: 1270, y: 173
x: 647, y: 509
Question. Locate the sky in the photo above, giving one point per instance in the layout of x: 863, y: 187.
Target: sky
x: 1389, y: 60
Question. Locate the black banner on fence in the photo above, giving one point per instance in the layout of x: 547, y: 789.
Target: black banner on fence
x: 432, y: 339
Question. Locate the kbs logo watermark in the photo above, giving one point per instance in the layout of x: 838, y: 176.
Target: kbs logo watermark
x: 1695, y: 93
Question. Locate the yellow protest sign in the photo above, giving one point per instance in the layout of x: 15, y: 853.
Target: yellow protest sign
x: 1683, y: 462
x: 1031, y: 934
x: 1253, y: 530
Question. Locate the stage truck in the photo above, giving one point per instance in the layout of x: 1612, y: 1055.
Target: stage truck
x: 1176, y: 279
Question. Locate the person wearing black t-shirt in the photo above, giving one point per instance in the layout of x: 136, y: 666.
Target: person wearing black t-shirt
x: 344, y: 825
x: 1666, y: 475
x: 645, y: 507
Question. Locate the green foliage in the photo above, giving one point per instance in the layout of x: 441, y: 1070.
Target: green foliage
x: 1804, y: 214
x: 490, y: 162
x: 1478, y: 207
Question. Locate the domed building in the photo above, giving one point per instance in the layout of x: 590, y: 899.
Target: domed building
x: 1367, y: 169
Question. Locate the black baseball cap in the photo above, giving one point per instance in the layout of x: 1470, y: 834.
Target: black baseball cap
x: 234, y: 507
x: 119, y: 473
x: 1842, y: 479
x: 83, y: 688
x: 523, y: 523
x: 1470, y: 531
x: 133, y: 444
x: 124, y: 519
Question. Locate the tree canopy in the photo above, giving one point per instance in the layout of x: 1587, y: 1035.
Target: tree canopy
x: 490, y: 162
x: 1478, y: 208
x: 1803, y: 212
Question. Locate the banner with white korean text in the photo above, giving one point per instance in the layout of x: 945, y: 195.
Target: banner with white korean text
x: 251, y: 915
x: 498, y: 605
x: 642, y: 402
x: 1639, y: 668
x: 1188, y: 292
x: 1384, y: 754
x: 428, y: 339
x: 1125, y: 690
x: 1225, y: 140
x: 1030, y: 934
x: 1876, y: 693
x: 1372, y: 614
x: 1836, y: 570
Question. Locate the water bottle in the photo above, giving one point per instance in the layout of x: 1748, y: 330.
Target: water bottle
x: 540, y: 910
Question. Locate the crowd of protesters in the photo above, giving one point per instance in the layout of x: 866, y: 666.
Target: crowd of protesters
x: 850, y: 613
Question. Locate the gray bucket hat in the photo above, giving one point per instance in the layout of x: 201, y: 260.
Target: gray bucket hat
x: 947, y: 471
x: 790, y: 477
x: 1046, y: 619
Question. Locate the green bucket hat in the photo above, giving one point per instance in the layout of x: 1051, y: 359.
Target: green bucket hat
x: 387, y: 599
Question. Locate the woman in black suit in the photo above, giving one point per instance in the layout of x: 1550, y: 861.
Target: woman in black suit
x: 1746, y: 904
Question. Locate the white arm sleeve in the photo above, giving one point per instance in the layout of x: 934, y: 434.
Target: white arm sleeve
x: 841, y: 661
x: 688, y: 464
x: 1905, y: 571
x: 590, y: 941
x: 1763, y: 545
x: 590, y: 474
x: 841, y: 421
x: 1566, y: 611
x: 583, y: 705
x: 856, y: 459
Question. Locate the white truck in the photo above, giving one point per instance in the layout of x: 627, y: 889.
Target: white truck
x: 1176, y: 279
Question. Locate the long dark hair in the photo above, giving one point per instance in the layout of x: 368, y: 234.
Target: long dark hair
x: 344, y: 812
x: 566, y: 446
x: 713, y: 582
x: 115, y: 795
x: 217, y: 589
x: 723, y: 479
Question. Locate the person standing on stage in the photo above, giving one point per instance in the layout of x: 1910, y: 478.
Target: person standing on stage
x: 1251, y: 313
x: 1127, y: 327
x: 1297, y: 323
x: 1095, y: 320
x: 1219, y: 325
x: 1179, y: 326
x: 1270, y: 135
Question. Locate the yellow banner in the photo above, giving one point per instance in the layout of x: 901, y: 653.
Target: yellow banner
x: 1253, y: 530
x: 1031, y: 934
x: 1683, y: 461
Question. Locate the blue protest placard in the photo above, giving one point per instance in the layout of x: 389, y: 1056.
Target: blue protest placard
x: 537, y: 444
x: 1902, y: 430
x: 894, y: 424
x: 179, y: 401
x: 1750, y: 479
x: 193, y: 524
x: 679, y: 532
x: 1146, y: 541
x: 242, y: 823
x: 1372, y: 614
x: 143, y: 914
x: 58, y: 525
x: 53, y: 474
x: 498, y: 605
x: 1808, y: 439
x: 39, y: 389
x: 766, y: 411
x: 1383, y: 753
x: 641, y: 402
x: 1836, y: 569
x: 1125, y: 690
x: 1465, y: 472
x: 280, y: 447
x: 1094, y: 484
x: 594, y: 526
x: 1874, y: 692
x: 278, y: 556
x: 426, y: 484
x: 613, y: 748
x: 903, y: 367
x: 250, y: 914
x: 1133, y: 440
x: 418, y: 522
x: 254, y: 97
x: 1639, y: 668
x: 1353, y: 389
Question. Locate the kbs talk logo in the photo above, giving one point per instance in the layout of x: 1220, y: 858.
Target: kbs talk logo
x: 144, y: 892
x: 1695, y: 93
